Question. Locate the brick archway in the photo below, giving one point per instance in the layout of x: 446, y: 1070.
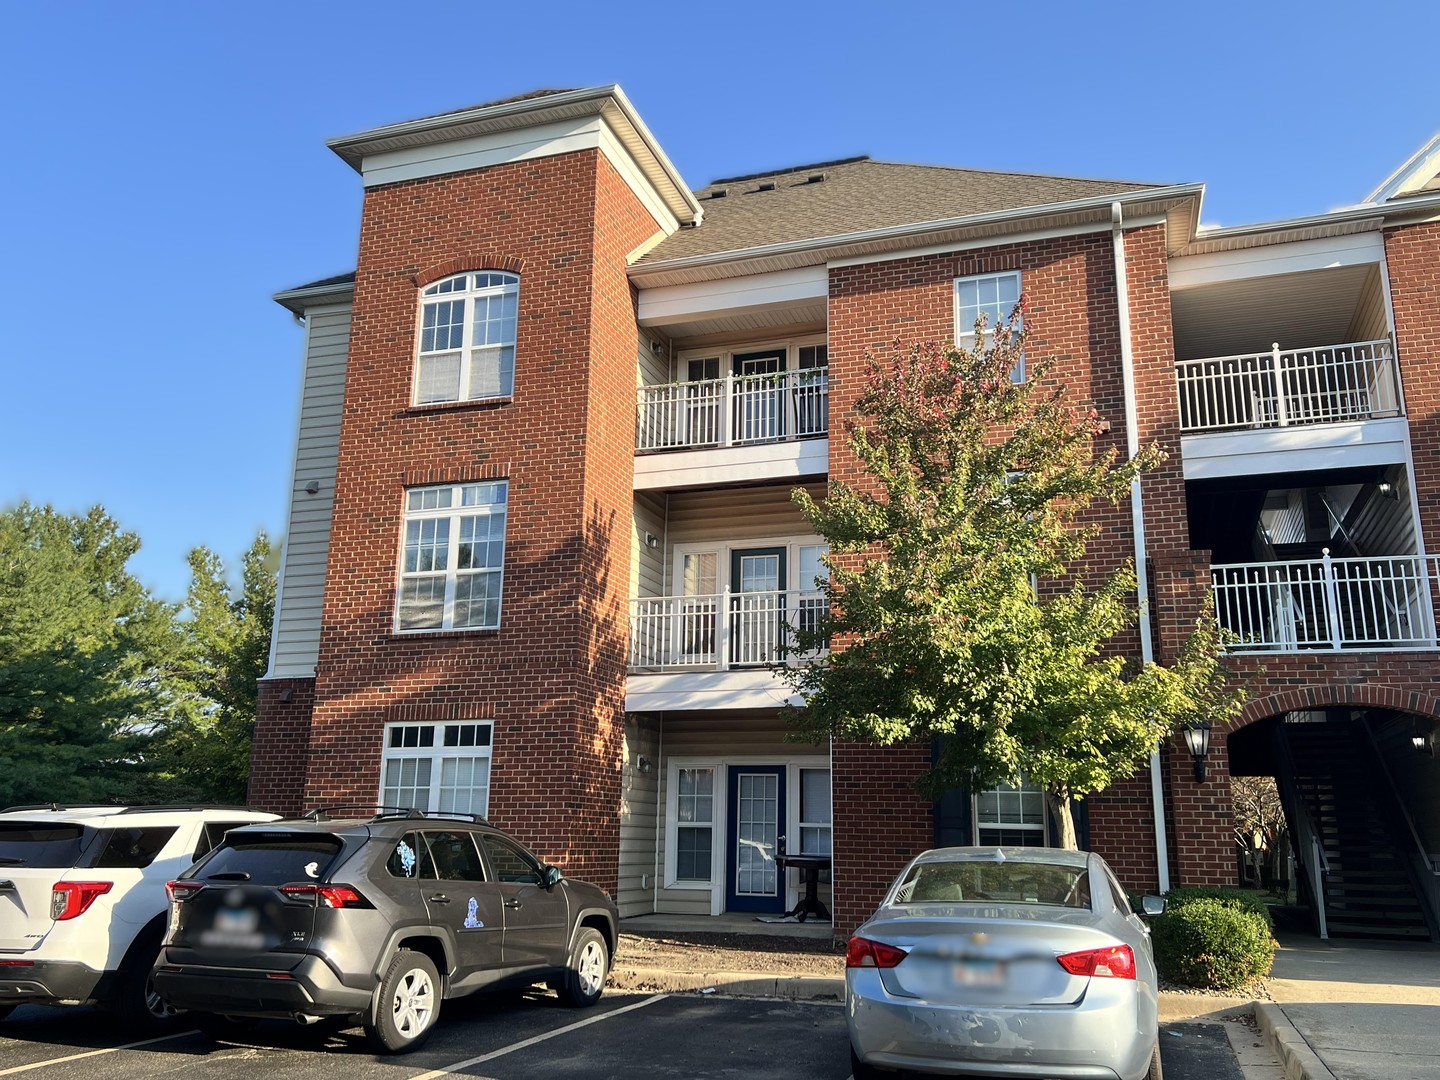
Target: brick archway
x: 1331, y: 696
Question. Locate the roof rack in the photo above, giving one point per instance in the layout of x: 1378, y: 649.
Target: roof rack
x: 321, y: 813
x: 455, y: 815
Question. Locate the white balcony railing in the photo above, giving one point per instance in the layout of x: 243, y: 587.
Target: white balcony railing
x: 737, y: 410
x: 1365, y: 603
x: 1325, y: 385
x: 718, y: 632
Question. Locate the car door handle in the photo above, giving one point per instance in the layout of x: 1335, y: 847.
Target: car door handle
x: 512, y: 903
x: 439, y: 898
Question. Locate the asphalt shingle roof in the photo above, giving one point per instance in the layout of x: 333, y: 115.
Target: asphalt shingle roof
x: 857, y: 195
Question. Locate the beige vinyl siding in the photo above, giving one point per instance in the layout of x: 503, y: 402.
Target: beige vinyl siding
x: 639, y: 815
x: 647, y: 570
x: 1385, y: 526
x: 295, y: 643
x: 1371, y: 322
x: 653, y: 365
x: 738, y: 513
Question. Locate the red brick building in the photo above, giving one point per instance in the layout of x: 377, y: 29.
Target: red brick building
x: 541, y: 544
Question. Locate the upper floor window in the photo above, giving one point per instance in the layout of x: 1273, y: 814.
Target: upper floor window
x: 467, y: 338
x: 993, y: 296
x: 454, y: 557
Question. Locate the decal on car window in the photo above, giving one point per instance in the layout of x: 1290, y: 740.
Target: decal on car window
x: 471, y: 922
x: 312, y: 869
x: 407, y: 858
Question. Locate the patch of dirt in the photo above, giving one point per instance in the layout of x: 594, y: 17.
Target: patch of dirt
x: 700, y: 953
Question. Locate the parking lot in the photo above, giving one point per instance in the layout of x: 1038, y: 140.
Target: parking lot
x: 521, y: 1036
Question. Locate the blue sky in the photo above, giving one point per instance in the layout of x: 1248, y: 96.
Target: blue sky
x: 164, y: 172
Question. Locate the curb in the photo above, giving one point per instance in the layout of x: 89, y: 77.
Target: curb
x: 1300, y: 1061
x: 729, y: 983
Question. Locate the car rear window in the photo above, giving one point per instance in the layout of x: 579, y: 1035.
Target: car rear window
x: 995, y: 882
x: 271, y: 859
x: 43, y: 844
x: 134, y: 847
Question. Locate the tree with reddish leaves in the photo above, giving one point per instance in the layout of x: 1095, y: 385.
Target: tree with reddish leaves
x: 961, y: 607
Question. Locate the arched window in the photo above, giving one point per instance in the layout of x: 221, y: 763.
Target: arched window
x: 467, y: 338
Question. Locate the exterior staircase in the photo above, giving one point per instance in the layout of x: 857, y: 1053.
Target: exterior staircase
x: 1368, y: 891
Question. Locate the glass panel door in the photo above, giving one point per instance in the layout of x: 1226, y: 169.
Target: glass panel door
x: 759, y: 387
x: 757, y: 799
x: 757, y: 605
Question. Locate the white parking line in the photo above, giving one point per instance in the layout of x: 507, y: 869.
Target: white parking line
x: 90, y: 1053
x: 448, y: 1069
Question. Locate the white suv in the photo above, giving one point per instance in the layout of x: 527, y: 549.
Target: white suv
x: 83, y: 904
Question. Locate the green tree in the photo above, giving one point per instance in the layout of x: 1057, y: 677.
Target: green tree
x: 961, y: 607
x: 84, y: 651
x: 205, y: 750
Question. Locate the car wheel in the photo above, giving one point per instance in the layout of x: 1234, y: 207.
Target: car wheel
x: 861, y: 1071
x: 584, y: 981
x: 406, y: 1005
x: 221, y: 1027
x: 1156, y: 1072
x: 136, y: 1003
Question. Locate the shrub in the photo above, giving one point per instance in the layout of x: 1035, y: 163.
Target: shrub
x: 1213, y: 944
x: 1236, y: 898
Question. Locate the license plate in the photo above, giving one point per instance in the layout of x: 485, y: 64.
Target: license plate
x: 979, y: 973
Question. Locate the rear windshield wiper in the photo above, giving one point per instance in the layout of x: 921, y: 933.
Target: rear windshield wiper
x: 7, y: 861
x: 229, y: 875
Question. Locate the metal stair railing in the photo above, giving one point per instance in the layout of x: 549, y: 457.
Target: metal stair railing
x: 1419, y: 867
x: 1310, y: 850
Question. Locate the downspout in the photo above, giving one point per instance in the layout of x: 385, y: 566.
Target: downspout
x: 1137, y: 517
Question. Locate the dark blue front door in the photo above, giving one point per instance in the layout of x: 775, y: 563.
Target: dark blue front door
x: 757, y: 806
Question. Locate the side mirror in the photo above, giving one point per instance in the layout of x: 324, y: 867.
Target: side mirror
x: 1151, y: 906
x: 550, y: 877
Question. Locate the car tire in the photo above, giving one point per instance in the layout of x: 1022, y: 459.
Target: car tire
x: 1156, y: 1072
x: 136, y: 1003
x: 221, y: 1027
x: 584, y: 979
x: 407, y: 1004
x: 861, y: 1071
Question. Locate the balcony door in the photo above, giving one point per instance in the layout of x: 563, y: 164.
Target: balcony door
x: 759, y: 396
x: 757, y: 605
x: 757, y: 806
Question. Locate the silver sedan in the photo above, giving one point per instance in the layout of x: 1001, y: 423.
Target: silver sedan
x: 1005, y: 962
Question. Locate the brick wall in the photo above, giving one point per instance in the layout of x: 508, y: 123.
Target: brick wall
x: 551, y: 678
x: 1412, y: 255
x: 280, y: 745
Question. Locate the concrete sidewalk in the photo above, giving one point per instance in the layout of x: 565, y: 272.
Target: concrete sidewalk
x: 1355, y: 1010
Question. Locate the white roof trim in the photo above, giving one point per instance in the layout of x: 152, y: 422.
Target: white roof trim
x: 607, y: 101
x: 1413, y: 173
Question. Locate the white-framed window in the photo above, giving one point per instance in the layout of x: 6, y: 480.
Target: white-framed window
x: 453, y: 557
x: 437, y: 766
x: 467, y: 338
x: 1011, y: 815
x: 995, y: 297
x: 694, y: 816
x: 814, y: 811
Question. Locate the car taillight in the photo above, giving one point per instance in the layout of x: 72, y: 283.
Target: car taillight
x: 334, y: 896
x: 1112, y: 962
x: 862, y: 952
x: 71, y: 898
x: 180, y: 891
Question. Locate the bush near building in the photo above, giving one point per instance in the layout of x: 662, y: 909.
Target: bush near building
x: 1212, y: 942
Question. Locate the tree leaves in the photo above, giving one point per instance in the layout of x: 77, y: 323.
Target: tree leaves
x: 962, y: 608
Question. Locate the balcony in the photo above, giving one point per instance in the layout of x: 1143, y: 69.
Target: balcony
x: 687, y: 633
x: 737, y: 410
x: 1383, y: 603
x: 1278, y: 389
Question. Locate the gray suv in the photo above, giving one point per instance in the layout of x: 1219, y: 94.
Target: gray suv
x: 378, y: 919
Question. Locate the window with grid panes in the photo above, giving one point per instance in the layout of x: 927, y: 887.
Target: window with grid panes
x: 453, y: 558
x: 1011, y: 816
x: 814, y: 811
x: 694, y: 824
x: 437, y: 767
x: 993, y: 296
x: 467, y: 338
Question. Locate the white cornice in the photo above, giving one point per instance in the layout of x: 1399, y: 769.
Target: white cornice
x: 608, y: 102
